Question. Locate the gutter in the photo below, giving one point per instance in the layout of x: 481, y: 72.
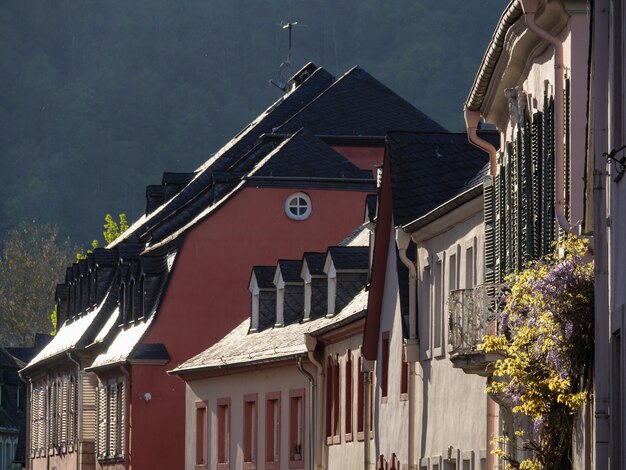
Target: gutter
x: 472, y: 118
x: 311, y: 345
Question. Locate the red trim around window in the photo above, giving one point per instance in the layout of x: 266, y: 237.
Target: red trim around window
x: 272, y: 430
x: 223, y: 433
x: 250, y: 431
x: 201, y: 435
x: 297, y: 427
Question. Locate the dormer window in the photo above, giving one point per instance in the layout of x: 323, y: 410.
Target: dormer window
x: 298, y: 206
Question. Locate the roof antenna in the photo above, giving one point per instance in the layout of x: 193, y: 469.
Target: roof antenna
x: 285, y: 70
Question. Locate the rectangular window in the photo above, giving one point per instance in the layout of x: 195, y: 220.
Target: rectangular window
x: 469, y: 268
x: 332, y: 400
x: 201, y: 435
x: 223, y: 433
x: 296, y: 428
x: 348, y: 392
x: 404, y: 378
x: 250, y: 430
x: 424, y: 313
x: 360, y: 403
x: 437, y: 314
x: 384, y: 362
x: 272, y: 430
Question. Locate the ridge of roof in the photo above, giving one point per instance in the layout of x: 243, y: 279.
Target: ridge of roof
x: 358, y: 104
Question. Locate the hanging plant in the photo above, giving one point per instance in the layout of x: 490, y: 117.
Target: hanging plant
x: 546, y: 338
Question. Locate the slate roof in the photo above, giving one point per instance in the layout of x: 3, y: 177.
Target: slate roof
x: 323, y: 161
x: 68, y: 336
x: 264, y: 276
x: 315, y: 262
x: 240, y: 348
x: 427, y: 169
x: 349, y: 257
x: 359, y: 237
x: 290, y: 270
x: 358, y: 104
x: 238, y: 146
x: 9, y: 361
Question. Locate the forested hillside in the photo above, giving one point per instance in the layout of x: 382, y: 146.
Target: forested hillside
x: 98, y: 98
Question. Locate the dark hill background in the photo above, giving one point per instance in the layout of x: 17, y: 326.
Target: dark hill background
x: 98, y: 98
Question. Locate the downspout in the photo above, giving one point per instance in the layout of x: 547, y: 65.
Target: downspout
x: 124, y: 369
x: 79, y: 384
x: 602, y: 326
x: 29, y: 418
x: 472, y: 118
x: 311, y: 344
x: 530, y: 8
x: 312, y: 391
x: 403, y: 240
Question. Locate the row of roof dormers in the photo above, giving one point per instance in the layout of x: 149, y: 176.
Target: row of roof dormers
x: 354, y: 104
x: 305, y: 305
x: 318, y: 285
x: 127, y: 280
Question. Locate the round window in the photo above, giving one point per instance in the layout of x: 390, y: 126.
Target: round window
x: 298, y: 206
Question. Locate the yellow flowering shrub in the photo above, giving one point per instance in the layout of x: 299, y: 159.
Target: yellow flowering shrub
x: 546, y: 339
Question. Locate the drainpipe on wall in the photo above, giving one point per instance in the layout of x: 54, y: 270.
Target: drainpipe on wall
x: 311, y: 344
x: 472, y: 118
x: 29, y: 419
x: 403, y: 240
x: 79, y: 384
x: 602, y: 326
x: 312, y: 391
x: 530, y: 8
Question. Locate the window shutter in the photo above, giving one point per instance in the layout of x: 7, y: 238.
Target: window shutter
x: 490, y: 248
x: 112, y: 416
x: 102, y: 422
x: 548, y: 165
x: 536, y: 151
x: 122, y: 417
x: 64, y: 402
x: 509, y: 249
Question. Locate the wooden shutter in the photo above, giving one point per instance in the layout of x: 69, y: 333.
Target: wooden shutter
x: 121, y: 425
x: 88, y: 411
x: 490, y: 242
x: 63, y: 411
x: 567, y: 156
x: 101, y: 429
x: 112, y: 417
x: 536, y: 150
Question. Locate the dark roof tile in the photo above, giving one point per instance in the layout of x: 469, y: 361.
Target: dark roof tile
x: 358, y: 104
x: 350, y: 257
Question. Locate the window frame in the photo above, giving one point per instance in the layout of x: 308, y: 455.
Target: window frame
x: 297, y: 396
x: 250, y: 431
x: 298, y: 217
x: 272, y: 428
x: 202, y: 435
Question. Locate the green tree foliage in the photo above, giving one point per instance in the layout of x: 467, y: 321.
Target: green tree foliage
x: 112, y: 230
x: 32, y: 264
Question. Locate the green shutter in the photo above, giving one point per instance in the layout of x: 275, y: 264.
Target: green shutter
x: 490, y: 241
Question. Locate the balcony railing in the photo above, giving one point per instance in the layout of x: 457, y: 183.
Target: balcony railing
x: 473, y: 313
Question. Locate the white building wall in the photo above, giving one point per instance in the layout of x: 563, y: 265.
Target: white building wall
x: 391, y: 417
x: 261, y: 381
x: 451, y: 405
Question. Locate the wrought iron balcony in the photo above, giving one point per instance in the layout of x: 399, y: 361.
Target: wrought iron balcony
x: 473, y: 314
